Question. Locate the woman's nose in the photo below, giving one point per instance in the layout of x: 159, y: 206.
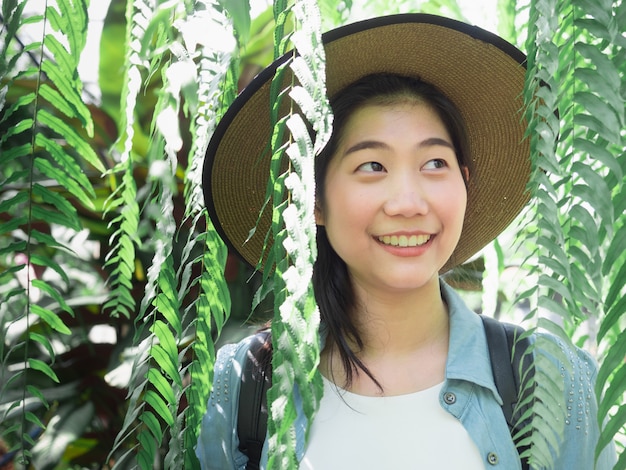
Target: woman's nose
x: 406, y: 198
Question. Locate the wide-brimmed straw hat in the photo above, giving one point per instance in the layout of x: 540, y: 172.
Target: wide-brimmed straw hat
x: 482, y: 74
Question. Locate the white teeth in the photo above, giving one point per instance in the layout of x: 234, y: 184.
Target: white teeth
x: 403, y: 240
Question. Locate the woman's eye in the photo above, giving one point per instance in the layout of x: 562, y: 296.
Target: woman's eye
x: 435, y: 164
x: 371, y: 167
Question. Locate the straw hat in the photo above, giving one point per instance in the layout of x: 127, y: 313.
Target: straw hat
x: 478, y: 71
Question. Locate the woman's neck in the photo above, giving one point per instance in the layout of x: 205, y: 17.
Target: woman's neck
x: 405, y: 342
x: 396, y: 323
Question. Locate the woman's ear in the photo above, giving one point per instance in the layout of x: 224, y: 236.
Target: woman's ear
x: 319, y: 216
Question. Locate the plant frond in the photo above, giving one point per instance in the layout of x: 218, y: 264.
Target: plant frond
x: 574, y: 49
x: 296, y: 317
x: 217, y: 87
x: 124, y: 238
x: 45, y: 164
x: 542, y: 100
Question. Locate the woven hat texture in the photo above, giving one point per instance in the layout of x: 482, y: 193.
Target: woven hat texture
x: 482, y: 74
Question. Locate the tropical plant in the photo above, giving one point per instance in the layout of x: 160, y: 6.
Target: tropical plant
x: 103, y: 229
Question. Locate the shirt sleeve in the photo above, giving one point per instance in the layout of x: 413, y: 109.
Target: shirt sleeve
x: 582, y: 431
x: 218, y: 443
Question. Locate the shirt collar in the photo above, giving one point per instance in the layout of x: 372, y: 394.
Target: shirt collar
x: 468, y: 352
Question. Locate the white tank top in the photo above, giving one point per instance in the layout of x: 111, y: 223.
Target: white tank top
x: 400, y: 432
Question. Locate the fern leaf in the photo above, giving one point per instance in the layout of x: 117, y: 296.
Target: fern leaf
x: 216, y: 90
x: 55, y: 151
x: 579, y: 227
x: 296, y: 318
x: 67, y: 172
x: 123, y: 239
x: 543, y: 63
x: 122, y: 252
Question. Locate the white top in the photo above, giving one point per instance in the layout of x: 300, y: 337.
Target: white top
x: 400, y: 432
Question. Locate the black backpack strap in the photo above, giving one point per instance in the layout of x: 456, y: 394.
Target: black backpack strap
x: 256, y: 378
x: 506, y: 352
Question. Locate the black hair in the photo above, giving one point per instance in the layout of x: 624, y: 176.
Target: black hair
x: 332, y: 285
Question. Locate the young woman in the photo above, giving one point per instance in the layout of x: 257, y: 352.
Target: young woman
x: 427, y: 163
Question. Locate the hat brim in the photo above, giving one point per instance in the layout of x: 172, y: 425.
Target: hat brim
x: 482, y: 74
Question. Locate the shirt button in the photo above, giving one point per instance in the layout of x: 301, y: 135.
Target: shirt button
x: 492, y: 458
x: 449, y: 398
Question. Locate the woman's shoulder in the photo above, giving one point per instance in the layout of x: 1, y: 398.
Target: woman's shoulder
x: 232, y: 356
x: 569, y: 357
x: 561, y: 365
x: 218, y: 444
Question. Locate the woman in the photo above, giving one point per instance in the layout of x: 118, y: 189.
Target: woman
x: 427, y: 163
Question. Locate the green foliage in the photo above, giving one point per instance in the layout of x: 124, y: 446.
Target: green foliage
x: 293, y: 252
x: 574, y: 73
x: 102, y: 222
x: 42, y: 175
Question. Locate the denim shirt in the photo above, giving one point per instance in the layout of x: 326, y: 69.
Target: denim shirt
x: 469, y: 393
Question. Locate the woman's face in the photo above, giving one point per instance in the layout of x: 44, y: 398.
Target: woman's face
x: 394, y: 197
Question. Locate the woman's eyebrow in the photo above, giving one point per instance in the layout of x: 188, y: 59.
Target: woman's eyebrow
x: 375, y: 144
x: 435, y: 141
x: 365, y: 145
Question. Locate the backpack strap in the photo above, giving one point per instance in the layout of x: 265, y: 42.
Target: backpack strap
x: 507, y: 353
x: 256, y: 378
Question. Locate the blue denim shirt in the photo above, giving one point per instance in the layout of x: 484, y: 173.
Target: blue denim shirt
x: 469, y: 393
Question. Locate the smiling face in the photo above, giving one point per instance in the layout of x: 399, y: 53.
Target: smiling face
x: 394, y: 196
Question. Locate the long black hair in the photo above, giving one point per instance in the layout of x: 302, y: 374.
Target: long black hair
x: 332, y: 285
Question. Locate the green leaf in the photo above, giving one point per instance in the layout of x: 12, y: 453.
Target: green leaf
x: 67, y: 99
x: 616, y: 289
x: 41, y: 366
x: 555, y: 285
x: 611, y: 428
x: 39, y: 260
x: 159, y: 406
x: 612, y: 360
x: 52, y: 292
x: 13, y: 224
x: 50, y: 318
x: 15, y: 152
x: 8, y: 204
x: 22, y: 126
x: 615, y: 311
x: 616, y: 249
x: 73, y: 16
x: 167, y: 299
x: 594, y: 197
x: 596, y: 107
x: 161, y: 384
x: 55, y: 98
x: 82, y: 147
x: 34, y: 391
x: 52, y: 216
x: 597, y: 84
x: 60, y: 212
x: 147, y: 451
x: 44, y: 239
x: 168, y: 361
x: 43, y: 341
x: 30, y: 417
x: 614, y: 392
x: 153, y: 425
x: 20, y: 102
x: 600, y: 10
x: 602, y: 63
x: 70, y: 172
x: 12, y: 248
